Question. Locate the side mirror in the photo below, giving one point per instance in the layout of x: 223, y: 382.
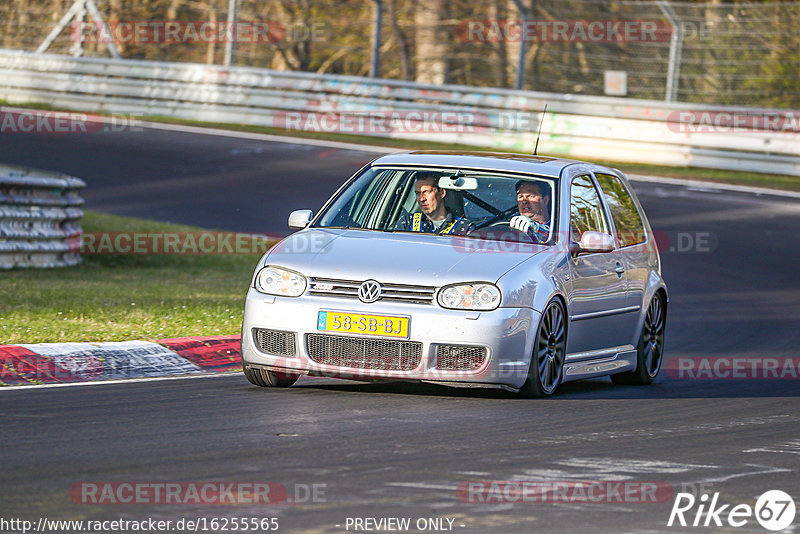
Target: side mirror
x: 299, y: 219
x: 592, y: 242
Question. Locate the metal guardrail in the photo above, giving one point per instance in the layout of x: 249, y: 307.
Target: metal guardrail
x: 582, y: 127
x: 39, y: 218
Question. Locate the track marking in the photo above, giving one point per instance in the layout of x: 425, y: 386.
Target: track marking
x: 708, y: 187
x: 270, y: 137
x: 765, y: 471
x: 424, y: 485
x: 788, y: 447
x: 614, y: 465
x: 119, y: 381
x: 675, y: 431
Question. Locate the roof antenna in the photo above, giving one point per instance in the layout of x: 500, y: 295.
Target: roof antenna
x: 541, y: 121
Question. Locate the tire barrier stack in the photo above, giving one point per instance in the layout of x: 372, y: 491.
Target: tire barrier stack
x: 39, y: 218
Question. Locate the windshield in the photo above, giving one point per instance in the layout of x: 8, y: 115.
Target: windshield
x: 447, y: 202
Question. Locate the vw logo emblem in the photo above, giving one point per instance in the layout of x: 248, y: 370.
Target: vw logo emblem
x: 369, y: 291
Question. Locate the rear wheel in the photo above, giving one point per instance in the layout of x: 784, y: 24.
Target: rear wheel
x: 269, y: 379
x: 650, y: 349
x: 549, y: 349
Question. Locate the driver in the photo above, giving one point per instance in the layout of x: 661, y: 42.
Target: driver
x: 435, y: 217
x: 533, y: 202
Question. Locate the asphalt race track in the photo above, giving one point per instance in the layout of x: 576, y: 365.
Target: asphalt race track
x: 210, y: 181
x: 398, y: 450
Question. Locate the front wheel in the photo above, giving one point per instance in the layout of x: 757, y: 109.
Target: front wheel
x: 269, y: 379
x: 650, y: 349
x: 549, y: 349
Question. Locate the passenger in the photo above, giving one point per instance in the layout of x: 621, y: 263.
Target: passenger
x: 435, y: 217
x: 533, y: 203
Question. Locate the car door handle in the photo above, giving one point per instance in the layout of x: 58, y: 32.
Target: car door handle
x: 620, y: 270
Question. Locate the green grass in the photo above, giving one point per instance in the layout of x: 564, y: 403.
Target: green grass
x: 122, y: 297
x: 774, y: 181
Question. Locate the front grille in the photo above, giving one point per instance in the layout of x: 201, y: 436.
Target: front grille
x: 364, y: 353
x: 460, y: 357
x: 330, y: 287
x: 275, y: 342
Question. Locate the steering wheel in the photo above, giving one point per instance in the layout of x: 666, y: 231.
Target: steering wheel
x: 498, y: 218
x: 517, y: 236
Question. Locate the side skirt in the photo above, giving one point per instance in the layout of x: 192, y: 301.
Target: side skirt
x: 599, y: 363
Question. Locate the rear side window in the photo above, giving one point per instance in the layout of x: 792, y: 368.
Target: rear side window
x: 630, y: 228
x: 586, y: 213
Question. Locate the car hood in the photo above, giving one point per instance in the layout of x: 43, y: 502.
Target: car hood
x: 397, y: 257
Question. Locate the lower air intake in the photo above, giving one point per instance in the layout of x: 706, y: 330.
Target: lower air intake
x: 364, y: 353
x: 275, y: 342
x: 460, y: 357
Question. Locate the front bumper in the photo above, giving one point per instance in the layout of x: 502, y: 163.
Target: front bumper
x: 506, y: 333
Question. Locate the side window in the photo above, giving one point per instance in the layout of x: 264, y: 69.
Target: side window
x: 354, y: 211
x: 630, y: 228
x: 586, y: 212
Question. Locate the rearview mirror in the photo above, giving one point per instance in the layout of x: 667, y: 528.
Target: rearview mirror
x: 593, y: 242
x: 299, y: 219
x: 459, y: 183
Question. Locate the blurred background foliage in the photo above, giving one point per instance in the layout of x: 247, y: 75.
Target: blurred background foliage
x: 732, y: 52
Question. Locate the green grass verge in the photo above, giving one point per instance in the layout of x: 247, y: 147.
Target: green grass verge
x: 774, y: 181
x: 122, y: 297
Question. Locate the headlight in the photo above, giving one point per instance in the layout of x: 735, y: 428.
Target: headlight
x: 470, y: 297
x: 277, y: 281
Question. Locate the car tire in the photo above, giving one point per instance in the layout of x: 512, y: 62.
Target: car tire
x: 650, y: 348
x: 269, y: 379
x: 549, y: 349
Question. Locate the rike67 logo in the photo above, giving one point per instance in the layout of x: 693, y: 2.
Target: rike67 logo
x: 774, y: 510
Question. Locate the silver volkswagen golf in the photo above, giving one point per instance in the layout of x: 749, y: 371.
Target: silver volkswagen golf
x: 464, y: 269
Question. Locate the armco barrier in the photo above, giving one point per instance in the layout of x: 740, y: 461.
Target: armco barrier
x: 584, y: 127
x: 38, y: 218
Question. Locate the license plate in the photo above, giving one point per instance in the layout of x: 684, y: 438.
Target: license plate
x: 360, y: 323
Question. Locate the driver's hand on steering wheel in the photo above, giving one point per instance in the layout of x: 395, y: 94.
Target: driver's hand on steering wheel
x: 521, y: 223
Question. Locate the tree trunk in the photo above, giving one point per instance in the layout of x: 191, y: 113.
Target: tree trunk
x: 499, y: 60
x: 431, y: 42
x: 711, y: 83
x: 211, y: 48
x: 402, y: 42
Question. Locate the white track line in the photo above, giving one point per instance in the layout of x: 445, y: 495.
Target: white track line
x: 713, y: 185
x: 119, y: 381
x: 269, y: 137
